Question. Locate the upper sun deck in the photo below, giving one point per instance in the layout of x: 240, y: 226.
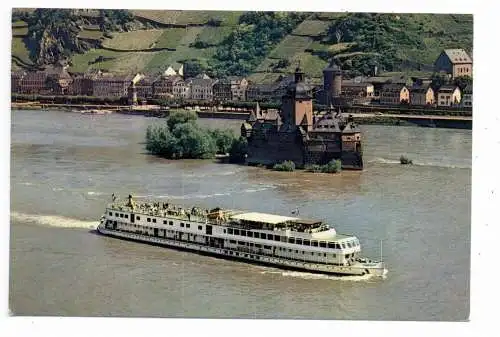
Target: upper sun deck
x: 256, y: 220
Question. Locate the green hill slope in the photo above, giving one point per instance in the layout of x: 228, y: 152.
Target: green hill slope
x: 259, y: 45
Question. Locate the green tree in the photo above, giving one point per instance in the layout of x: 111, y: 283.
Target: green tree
x: 463, y: 81
x: 223, y: 140
x: 181, y: 137
x: 238, y: 151
x: 181, y: 117
x: 193, y: 68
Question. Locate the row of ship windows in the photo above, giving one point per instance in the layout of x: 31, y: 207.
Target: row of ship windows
x: 171, y: 223
x: 297, y: 241
x: 256, y: 245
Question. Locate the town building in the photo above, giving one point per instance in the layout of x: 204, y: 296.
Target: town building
x: 239, y: 87
x: 82, y: 85
x: 33, y: 82
x: 181, y: 89
x: 260, y: 92
x: 144, y: 87
x: 163, y: 86
x: 422, y: 95
x: 394, y: 94
x: 466, y: 101
x: 107, y: 85
x: 58, y: 80
x: 448, y: 96
x: 201, y: 89
x: 380, y: 81
x: 222, y: 90
x: 354, y: 92
x: 455, y: 62
x: 15, y: 81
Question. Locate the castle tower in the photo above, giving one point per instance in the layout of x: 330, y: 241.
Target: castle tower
x: 132, y: 94
x: 332, y: 83
x: 297, y: 102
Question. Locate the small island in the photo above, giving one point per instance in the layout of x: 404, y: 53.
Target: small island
x: 181, y: 137
x: 405, y: 161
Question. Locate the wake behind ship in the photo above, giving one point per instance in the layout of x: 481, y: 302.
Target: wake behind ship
x: 260, y: 238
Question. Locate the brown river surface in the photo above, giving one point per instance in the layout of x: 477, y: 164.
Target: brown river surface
x: 65, y: 166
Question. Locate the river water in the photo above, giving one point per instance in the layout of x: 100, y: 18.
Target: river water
x: 65, y: 166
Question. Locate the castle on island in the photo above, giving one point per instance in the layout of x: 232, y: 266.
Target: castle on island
x: 299, y: 134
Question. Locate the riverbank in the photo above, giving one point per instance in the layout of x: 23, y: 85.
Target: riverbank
x: 454, y: 122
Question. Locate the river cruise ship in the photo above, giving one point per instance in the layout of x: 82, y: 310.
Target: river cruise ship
x: 260, y: 238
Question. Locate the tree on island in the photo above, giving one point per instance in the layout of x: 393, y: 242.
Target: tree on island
x: 182, y: 138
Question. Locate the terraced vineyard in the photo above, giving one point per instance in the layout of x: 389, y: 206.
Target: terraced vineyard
x: 171, y: 37
x: 135, y: 40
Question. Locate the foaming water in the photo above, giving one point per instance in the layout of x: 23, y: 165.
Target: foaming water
x: 420, y: 163
x: 314, y: 276
x: 95, y: 193
x: 53, y: 221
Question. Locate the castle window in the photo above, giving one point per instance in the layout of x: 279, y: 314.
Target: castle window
x: 110, y: 213
x: 154, y: 220
x: 138, y: 218
x: 200, y: 228
x: 182, y: 224
x: 171, y: 223
x: 188, y: 225
x: 164, y: 222
x: 149, y: 219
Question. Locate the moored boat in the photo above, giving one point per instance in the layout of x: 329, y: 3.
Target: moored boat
x: 261, y: 238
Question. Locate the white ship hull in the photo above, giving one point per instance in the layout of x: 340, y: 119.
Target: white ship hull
x: 357, y: 268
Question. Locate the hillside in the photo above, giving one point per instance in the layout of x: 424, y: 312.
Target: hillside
x: 256, y: 44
